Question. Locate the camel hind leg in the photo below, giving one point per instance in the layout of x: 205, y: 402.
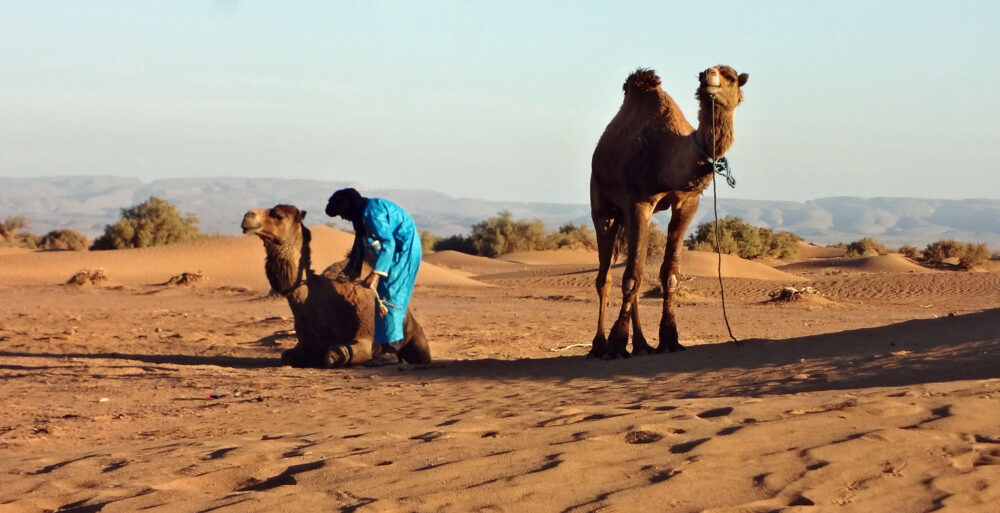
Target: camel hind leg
x: 415, y: 349
x: 638, y: 234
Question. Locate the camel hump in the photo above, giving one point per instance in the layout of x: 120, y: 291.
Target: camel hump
x: 642, y: 79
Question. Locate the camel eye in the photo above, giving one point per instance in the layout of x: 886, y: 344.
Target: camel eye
x: 275, y: 213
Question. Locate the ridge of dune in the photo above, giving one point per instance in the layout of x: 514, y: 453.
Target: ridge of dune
x: 809, y: 250
x: 551, y: 257
x: 703, y: 263
x: 469, y: 263
x: 879, y: 264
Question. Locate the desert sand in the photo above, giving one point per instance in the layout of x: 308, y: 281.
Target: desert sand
x: 134, y: 395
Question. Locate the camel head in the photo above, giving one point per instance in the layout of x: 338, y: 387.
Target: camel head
x: 722, y: 84
x: 280, y: 224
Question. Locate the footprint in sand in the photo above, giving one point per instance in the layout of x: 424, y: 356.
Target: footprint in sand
x: 642, y: 437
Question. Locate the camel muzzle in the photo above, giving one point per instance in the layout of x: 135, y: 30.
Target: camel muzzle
x: 250, y: 223
x: 713, y: 81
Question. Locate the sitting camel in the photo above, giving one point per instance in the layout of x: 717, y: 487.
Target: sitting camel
x: 333, y: 317
x: 650, y: 159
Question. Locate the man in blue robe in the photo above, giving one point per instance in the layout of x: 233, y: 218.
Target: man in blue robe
x: 386, y: 237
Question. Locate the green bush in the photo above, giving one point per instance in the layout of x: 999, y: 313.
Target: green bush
x: 747, y: 241
x: 573, y: 236
x: 460, y: 243
x: 64, y: 239
x: 427, y: 240
x: 910, y: 252
x: 502, y: 234
x: 867, y: 246
x: 154, y: 222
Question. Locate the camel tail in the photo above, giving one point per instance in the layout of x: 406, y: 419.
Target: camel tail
x: 642, y: 79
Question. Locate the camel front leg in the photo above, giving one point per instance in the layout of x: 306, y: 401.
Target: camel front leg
x: 681, y: 214
x: 607, y: 229
x: 637, y: 226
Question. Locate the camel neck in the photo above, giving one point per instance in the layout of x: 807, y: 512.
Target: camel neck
x: 723, y: 123
x: 287, y: 264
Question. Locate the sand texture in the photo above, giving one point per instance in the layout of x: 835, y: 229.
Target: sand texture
x: 877, y: 392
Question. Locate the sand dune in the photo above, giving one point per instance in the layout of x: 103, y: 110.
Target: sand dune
x: 229, y: 261
x: 701, y: 263
x: 693, y: 263
x: 884, y: 264
x: 470, y: 263
x: 552, y: 257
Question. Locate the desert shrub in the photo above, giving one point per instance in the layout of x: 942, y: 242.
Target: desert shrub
x: 153, y: 222
x: 64, y: 239
x: 867, y: 246
x: 973, y: 255
x: 460, y: 243
x: 185, y: 278
x: 938, y: 252
x: 13, y: 232
x: 88, y: 277
x: 10, y: 226
x: 570, y: 235
x: 427, y: 241
x: 747, y: 241
x: 502, y: 234
x: 910, y: 252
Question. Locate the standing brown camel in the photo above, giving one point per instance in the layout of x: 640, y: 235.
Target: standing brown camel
x: 333, y: 317
x: 648, y: 159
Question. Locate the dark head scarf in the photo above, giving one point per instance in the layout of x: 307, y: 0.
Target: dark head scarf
x: 347, y: 203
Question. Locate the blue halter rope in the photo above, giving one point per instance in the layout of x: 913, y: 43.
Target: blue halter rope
x: 719, y: 165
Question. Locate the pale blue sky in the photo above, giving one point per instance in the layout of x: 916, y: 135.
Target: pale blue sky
x: 498, y: 100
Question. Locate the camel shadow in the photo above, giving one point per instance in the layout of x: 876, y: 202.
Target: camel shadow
x: 961, y: 347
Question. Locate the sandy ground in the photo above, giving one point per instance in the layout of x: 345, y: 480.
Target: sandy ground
x: 880, y: 394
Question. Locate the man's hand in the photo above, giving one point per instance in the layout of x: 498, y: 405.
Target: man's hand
x: 370, y: 281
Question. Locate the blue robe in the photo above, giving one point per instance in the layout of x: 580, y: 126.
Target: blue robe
x: 393, y: 249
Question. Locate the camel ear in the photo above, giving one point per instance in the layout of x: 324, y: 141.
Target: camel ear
x: 743, y: 79
x: 302, y: 215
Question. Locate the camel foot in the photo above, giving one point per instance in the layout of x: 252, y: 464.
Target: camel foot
x: 617, y: 344
x: 383, y: 359
x: 671, y: 348
x: 599, y: 347
x: 640, y: 346
x: 300, y: 357
x: 669, y: 340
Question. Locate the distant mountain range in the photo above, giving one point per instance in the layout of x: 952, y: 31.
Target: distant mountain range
x: 88, y: 203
